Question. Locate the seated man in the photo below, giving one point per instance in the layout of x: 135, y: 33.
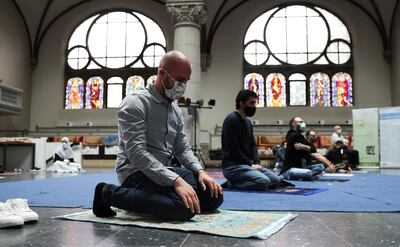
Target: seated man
x: 352, y: 155
x: 63, y: 160
x: 240, y: 162
x: 279, y: 156
x: 317, y: 158
x: 296, y: 165
x: 150, y: 128
x: 335, y: 156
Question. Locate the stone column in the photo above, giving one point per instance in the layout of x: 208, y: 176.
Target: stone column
x: 188, y: 16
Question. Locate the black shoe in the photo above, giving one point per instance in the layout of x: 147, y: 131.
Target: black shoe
x: 285, y: 183
x: 355, y: 168
x: 100, y: 209
x: 226, y: 185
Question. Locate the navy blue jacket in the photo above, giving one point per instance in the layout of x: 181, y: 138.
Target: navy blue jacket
x: 238, y: 144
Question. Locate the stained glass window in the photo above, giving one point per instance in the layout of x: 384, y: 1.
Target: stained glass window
x: 74, y: 93
x: 110, y: 43
x: 297, y: 83
x: 94, y: 93
x: 151, y: 80
x: 342, y: 90
x: 114, y: 92
x: 294, y: 40
x: 255, y: 83
x: 276, y: 90
x: 319, y: 90
x: 134, y: 83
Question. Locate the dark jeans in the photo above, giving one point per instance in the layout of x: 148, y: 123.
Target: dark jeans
x: 246, y: 177
x: 141, y: 195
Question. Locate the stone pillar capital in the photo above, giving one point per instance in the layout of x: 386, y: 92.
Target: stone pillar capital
x: 192, y: 13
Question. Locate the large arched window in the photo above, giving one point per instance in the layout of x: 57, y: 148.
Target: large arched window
x: 110, y: 55
x: 302, y: 54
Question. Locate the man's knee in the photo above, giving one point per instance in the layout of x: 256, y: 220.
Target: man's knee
x: 181, y: 215
x: 211, y: 203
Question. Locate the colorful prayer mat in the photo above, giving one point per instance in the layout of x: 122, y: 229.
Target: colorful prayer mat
x: 237, y: 224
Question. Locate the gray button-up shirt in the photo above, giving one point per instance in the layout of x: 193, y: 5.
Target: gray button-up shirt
x: 150, y: 130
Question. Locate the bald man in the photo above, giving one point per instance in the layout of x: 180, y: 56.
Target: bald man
x: 150, y: 128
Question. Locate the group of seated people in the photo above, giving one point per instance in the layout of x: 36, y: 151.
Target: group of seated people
x: 297, y: 158
x: 337, y: 155
x: 157, y: 171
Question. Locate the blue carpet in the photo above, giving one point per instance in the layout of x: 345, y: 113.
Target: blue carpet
x: 65, y: 192
x: 362, y: 193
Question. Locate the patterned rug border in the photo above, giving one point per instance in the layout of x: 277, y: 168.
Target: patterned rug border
x: 267, y: 230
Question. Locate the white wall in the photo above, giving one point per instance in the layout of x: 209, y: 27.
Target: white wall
x: 223, y: 79
x: 49, y: 74
x: 396, y: 62
x: 14, y: 62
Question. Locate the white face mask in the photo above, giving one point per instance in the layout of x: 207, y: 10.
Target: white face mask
x: 339, y: 131
x: 176, y: 91
x: 65, y: 145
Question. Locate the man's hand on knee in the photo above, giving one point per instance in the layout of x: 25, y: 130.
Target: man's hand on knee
x: 257, y: 167
x: 187, y: 194
x: 207, y: 181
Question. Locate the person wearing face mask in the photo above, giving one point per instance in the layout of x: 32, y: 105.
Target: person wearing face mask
x: 63, y: 160
x: 240, y: 162
x: 315, y: 158
x: 150, y: 128
x: 352, y: 155
x: 298, y: 151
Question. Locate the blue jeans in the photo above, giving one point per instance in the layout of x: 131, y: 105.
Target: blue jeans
x: 246, y: 177
x: 303, y: 173
x: 140, y: 194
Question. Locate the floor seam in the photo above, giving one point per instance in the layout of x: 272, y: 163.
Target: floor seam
x: 330, y: 229
x: 184, y: 240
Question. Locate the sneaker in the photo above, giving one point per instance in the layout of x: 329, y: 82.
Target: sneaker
x: 20, y: 208
x: 8, y: 217
x: 100, y: 208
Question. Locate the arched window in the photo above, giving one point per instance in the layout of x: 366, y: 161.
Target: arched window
x: 115, y: 53
x: 305, y: 45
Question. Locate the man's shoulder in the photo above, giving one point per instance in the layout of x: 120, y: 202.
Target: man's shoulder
x: 137, y: 97
x: 230, y: 118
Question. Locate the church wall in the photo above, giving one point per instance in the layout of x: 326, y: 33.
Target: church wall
x: 396, y: 62
x: 223, y: 79
x: 14, y: 62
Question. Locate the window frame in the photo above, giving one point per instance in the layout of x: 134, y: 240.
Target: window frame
x: 306, y: 69
x: 103, y: 72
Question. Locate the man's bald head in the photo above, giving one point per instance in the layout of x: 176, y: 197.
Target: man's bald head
x: 172, y: 59
x: 173, y: 67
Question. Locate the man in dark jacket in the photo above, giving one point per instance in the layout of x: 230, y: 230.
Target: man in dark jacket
x: 240, y: 162
x: 298, y: 151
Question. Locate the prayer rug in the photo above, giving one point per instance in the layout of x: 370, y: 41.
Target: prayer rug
x: 237, y: 224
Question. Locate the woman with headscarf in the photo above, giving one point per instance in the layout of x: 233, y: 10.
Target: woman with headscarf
x: 63, y: 160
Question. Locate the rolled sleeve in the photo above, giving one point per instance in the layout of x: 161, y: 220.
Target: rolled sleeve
x: 132, y: 128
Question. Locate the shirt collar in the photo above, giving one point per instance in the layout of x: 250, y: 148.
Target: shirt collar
x: 156, y: 95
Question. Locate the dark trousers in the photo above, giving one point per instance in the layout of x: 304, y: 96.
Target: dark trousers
x: 245, y: 177
x: 141, y: 195
x: 352, y: 157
